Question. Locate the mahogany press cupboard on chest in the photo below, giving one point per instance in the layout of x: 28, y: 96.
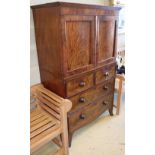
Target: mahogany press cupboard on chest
x: 76, y: 45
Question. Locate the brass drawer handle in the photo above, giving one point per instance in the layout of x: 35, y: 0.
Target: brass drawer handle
x: 82, y: 84
x: 82, y: 99
x: 105, y: 102
x: 82, y: 116
x: 105, y: 87
x: 106, y: 74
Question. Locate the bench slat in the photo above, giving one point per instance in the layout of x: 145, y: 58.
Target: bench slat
x: 57, y: 98
x: 39, y: 120
x: 52, y: 112
x: 43, y: 128
x: 34, y: 113
x: 42, y: 123
x: 51, y: 99
x: 42, y: 137
x: 49, y: 103
x: 36, y: 117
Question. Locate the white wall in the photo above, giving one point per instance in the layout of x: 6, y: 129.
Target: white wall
x: 34, y: 68
x: 121, y: 41
x: 33, y: 2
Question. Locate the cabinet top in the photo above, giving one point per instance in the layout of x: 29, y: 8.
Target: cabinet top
x: 77, y: 5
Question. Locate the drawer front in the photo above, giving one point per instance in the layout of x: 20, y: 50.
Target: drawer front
x: 92, y: 94
x: 89, y: 113
x: 80, y: 84
x: 105, y: 73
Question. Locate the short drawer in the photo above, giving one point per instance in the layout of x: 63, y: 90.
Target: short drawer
x: 80, y: 84
x: 105, y: 73
x: 92, y: 94
x: 90, y: 112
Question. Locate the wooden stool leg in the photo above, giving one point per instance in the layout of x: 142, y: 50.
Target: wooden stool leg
x: 119, y: 97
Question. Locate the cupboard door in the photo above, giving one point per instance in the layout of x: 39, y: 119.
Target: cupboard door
x: 78, y: 43
x: 106, y: 34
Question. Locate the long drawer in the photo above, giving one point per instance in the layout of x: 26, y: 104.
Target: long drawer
x: 90, y: 112
x: 92, y: 94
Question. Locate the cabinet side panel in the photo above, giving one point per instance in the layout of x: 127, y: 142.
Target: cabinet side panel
x: 47, y: 39
x: 53, y: 84
x: 47, y: 32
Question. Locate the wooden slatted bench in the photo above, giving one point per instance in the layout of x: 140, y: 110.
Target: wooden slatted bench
x: 48, y: 119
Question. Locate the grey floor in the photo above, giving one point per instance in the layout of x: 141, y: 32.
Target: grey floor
x: 104, y: 136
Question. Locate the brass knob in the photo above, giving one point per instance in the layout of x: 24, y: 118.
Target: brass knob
x: 82, y: 84
x: 82, y: 116
x: 106, y: 74
x: 105, y: 87
x: 82, y: 99
x: 105, y: 102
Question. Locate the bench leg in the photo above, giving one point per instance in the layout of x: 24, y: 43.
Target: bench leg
x: 65, y: 143
x: 64, y: 134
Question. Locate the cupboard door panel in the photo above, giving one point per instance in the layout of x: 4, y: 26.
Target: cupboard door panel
x: 106, y: 38
x: 78, y: 43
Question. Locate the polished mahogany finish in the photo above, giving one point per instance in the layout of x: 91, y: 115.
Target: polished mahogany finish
x: 105, y: 40
x: 92, y: 94
x: 88, y: 113
x: 76, y: 45
x: 79, y: 84
x: 105, y: 73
